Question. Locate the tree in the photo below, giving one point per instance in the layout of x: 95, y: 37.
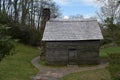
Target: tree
x: 24, y: 11
x: 26, y: 18
x: 0, y: 5
x: 15, y: 2
x: 109, y: 9
x: 109, y: 15
x: 7, y: 44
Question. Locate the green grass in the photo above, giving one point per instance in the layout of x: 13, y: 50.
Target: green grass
x: 18, y: 66
x: 104, y: 51
x: 51, y: 66
x: 101, y: 74
x: 42, y: 63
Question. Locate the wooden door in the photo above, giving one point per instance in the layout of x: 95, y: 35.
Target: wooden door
x: 72, y: 56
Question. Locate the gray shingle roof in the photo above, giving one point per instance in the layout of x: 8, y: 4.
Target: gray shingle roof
x: 67, y: 30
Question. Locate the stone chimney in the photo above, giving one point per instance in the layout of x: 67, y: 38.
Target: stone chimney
x: 46, y: 14
x: 45, y: 18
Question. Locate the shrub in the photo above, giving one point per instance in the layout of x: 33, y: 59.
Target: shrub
x: 25, y: 34
x: 7, y: 45
x: 114, y: 65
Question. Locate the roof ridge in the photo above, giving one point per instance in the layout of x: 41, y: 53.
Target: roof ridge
x: 71, y: 20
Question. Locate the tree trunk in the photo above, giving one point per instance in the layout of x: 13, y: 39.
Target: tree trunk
x: 31, y: 15
x: 4, y: 6
x: 39, y: 16
x: 24, y: 12
x: 0, y: 5
x: 15, y: 11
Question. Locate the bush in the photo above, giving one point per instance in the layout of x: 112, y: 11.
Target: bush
x: 114, y: 65
x: 34, y: 37
x: 7, y: 45
x: 25, y: 34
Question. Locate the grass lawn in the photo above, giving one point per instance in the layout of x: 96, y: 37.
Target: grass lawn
x: 105, y: 51
x: 18, y: 66
x: 101, y: 74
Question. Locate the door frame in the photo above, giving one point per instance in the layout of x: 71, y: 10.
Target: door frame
x: 72, y: 48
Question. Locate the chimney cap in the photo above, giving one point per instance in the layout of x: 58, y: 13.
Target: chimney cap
x: 46, y: 7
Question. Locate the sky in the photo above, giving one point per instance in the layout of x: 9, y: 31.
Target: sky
x: 87, y: 8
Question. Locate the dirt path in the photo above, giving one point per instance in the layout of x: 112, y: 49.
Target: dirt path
x: 53, y: 73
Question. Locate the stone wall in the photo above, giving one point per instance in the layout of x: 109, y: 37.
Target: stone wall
x: 87, y: 52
